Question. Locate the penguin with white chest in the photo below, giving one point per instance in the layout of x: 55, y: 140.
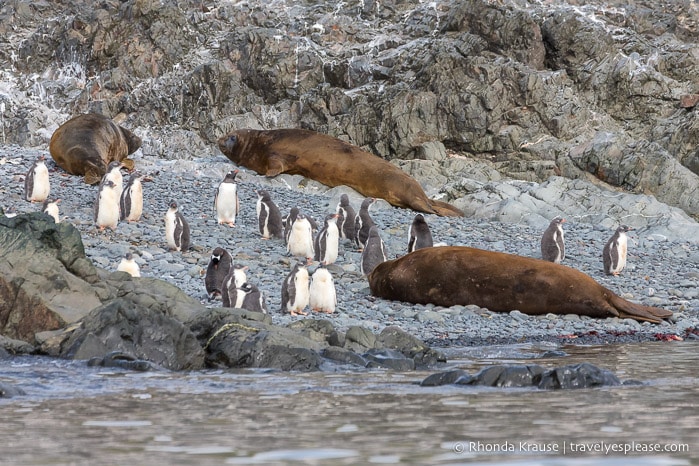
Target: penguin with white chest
x: 131, y: 200
x: 322, y: 294
x: 301, y: 238
x: 553, y: 242
x: 226, y: 202
x: 219, y: 266
x: 235, y: 279
x: 114, y: 174
x: 51, y: 208
x: 419, y: 234
x: 327, y: 241
x: 614, y: 252
x: 129, y: 265
x: 106, y: 210
x: 295, y: 291
x: 269, y: 218
x: 363, y: 222
x: 176, y: 228
x: 36, y: 182
x: 374, y: 252
x: 345, y: 218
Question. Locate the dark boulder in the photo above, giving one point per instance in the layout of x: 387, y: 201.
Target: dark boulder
x: 584, y: 375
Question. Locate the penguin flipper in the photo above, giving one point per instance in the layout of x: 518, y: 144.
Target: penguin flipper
x: 445, y: 209
x: 640, y: 312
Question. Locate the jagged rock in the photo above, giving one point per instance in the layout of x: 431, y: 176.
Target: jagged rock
x: 584, y: 375
x: 9, y: 346
x: 122, y: 361
x: 126, y: 326
x: 389, y: 359
x: 393, y: 337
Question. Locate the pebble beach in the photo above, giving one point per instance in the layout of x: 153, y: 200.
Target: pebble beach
x: 660, y: 272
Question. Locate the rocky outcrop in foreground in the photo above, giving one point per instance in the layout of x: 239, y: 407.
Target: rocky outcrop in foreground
x: 54, y: 301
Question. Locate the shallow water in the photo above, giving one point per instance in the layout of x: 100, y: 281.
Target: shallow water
x: 79, y: 415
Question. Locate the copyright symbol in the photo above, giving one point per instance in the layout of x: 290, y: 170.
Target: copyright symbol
x: 458, y: 447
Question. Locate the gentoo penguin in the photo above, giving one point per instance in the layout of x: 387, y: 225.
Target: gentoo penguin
x: 217, y: 270
x: 363, y: 222
x: 552, y: 242
x: 36, y: 182
x: 131, y: 200
x: 301, y: 238
x: 107, y: 206
x: 226, y: 202
x: 327, y: 241
x: 373, y: 253
x: 235, y: 279
x: 269, y: 218
x: 345, y: 218
x: 295, y: 292
x: 288, y: 221
x: 129, y: 265
x: 252, y: 298
x: 114, y: 174
x: 419, y: 235
x: 51, y: 208
x: 322, y: 297
x: 614, y: 253
x: 176, y: 229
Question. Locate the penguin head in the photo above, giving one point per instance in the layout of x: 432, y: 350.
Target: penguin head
x: 624, y: 228
x: 330, y: 218
x: 230, y: 176
x: 128, y: 256
x: 173, y: 205
x: 558, y: 220
x: 114, y: 166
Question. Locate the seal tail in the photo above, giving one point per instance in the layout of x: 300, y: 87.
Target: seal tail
x: 639, y: 312
x: 444, y: 209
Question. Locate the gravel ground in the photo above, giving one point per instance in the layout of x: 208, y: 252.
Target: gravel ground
x: 661, y: 273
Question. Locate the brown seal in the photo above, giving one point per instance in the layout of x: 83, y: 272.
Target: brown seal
x: 86, y: 144
x: 330, y: 161
x: 500, y: 282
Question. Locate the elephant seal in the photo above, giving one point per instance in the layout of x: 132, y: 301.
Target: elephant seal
x: 330, y: 161
x: 86, y: 144
x: 500, y: 282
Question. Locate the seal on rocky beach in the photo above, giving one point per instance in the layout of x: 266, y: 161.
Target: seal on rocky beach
x: 500, y: 282
x: 330, y: 161
x: 86, y: 144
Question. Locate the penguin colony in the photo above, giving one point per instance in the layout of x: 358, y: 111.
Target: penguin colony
x: 309, y: 285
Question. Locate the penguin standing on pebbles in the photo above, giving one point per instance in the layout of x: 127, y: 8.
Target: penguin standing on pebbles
x: 301, y: 238
x: 226, y: 202
x: 363, y: 222
x: 269, y: 218
x: 131, y: 200
x: 252, y: 298
x: 552, y: 242
x: 176, y: 229
x: 51, y: 208
x: 295, y: 291
x: 345, y: 218
x: 114, y: 174
x: 288, y: 221
x: 614, y: 253
x: 235, y: 279
x: 107, y: 206
x: 374, y: 252
x: 129, y: 265
x: 219, y: 266
x: 327, y: 241
x: 322, y: 295
x: 36, y: 182
x: 419, y: 234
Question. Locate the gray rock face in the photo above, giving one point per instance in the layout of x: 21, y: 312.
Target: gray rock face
x: 534, y: 89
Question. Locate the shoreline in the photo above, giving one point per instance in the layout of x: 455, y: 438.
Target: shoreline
x: 659, y: 273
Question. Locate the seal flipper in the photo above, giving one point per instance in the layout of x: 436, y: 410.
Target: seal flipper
x: 445, y: 210
x: 129, y: 164
x: 629, y: 310
x: 92, y: 176
x: 275, y: 165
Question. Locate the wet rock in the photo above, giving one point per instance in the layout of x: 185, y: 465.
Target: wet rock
x: 125, y: 326
x: 508, y: 376
x: 389, y: 359
x: 10, y: 346
x: 584, y: 375
x: 395, y: 338
x: 8, y: 391
x: 443, y: 378
x: 122, y: 361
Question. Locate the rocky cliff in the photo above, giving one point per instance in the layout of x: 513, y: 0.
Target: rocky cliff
x: 465, y: 95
